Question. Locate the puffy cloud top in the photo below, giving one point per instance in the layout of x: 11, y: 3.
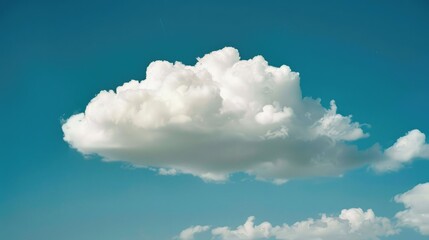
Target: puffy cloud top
x: 220, y: 116
x: 416, y: 214
x: 354, y: 224
x: 405, y: 150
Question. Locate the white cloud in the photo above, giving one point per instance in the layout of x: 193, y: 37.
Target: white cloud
x: 416, y: 202
x: 247, y: 231
x: 405, y: 150
x: 353, y: 224
x: 189, y: 233
x: 220, y: 116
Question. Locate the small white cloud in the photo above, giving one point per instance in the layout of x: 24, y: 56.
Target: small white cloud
x: 416, y: 202
x: 405, y: 150
x: 217, y: 117
x: 353, y: 224
x: 189, y: 233
x: 247, y: 231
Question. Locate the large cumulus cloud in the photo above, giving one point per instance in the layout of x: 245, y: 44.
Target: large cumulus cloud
x: 220, y: 116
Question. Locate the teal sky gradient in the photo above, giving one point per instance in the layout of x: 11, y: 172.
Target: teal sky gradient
x: 55, y: 56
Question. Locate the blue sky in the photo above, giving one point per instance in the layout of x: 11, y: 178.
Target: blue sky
x: 56, y: 56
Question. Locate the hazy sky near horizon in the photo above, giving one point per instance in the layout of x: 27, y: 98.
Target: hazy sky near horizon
x: 55, y: 57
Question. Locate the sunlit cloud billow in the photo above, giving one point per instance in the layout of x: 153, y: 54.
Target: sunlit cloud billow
x: 225, y: 115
